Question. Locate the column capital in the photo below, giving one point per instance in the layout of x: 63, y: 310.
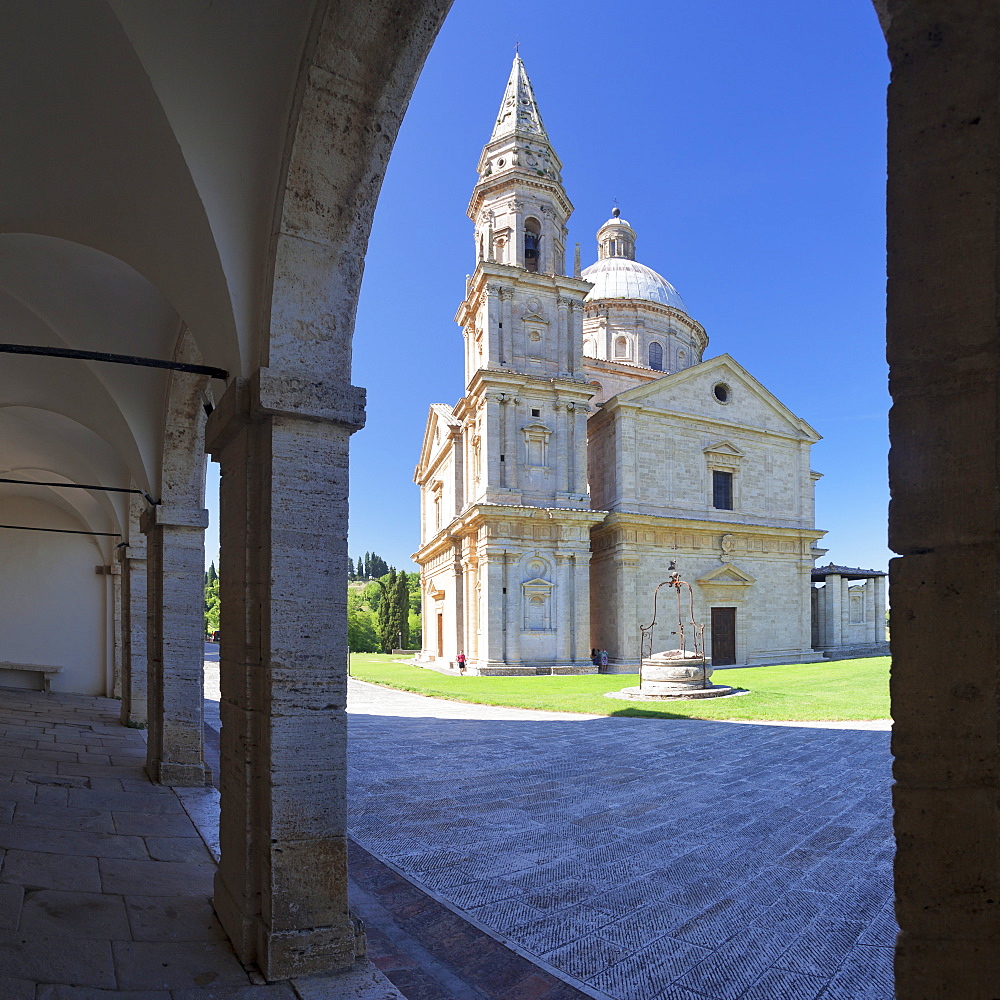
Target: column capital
x: 272, y: 394
x: 168, y: 515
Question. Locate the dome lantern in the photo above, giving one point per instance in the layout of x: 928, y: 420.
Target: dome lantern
x: 616, y: 238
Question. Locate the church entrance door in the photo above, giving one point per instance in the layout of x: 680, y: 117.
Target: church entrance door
x: 440, y: 635
x: 723, y: 636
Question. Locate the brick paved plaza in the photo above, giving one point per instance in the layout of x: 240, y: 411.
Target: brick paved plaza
x: 678, y: 860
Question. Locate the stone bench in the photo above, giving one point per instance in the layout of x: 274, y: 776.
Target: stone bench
x: 47, y: 672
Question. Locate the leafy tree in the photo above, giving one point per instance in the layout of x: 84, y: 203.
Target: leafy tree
x: 361, y: 634
x: 212, y: 605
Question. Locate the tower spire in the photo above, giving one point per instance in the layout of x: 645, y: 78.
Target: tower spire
x: 518, y: 110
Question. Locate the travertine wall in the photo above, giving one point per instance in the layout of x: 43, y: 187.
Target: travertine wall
x: 944, y: 358
x: 653, y: 449
x: 54, y: 609
x: 764, y: 575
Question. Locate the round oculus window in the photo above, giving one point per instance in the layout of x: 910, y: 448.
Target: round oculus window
x: 722, y: 392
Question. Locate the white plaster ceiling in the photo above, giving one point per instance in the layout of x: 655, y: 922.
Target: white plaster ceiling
x: 143, y: 142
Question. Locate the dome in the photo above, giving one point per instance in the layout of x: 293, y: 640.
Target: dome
x: 621, y: 278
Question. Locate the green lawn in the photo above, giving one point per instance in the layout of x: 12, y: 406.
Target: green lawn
x: 798, y: 692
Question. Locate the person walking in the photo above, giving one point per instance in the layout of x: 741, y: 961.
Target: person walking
x: 604, y: 661
x: 460, y: 660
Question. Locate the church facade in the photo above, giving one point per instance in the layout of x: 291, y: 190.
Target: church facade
x: 594, y: 445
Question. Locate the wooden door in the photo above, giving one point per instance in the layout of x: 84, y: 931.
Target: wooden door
x: 723, y: 636
x: 440, y: 635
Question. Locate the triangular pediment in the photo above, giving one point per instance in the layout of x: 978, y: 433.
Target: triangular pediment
x: 440, y: 424
x: 669, y: 391
x: 724, y: 448
x: 727, y: 574
x: 538, y: 582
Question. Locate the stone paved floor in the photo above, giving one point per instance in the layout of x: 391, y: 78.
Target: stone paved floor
x: 104, y: 881
x: 678, y: 860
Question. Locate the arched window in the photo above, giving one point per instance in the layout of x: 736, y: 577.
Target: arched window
x: 621, y: 347
x: 532, y: 240
x: 656, y: 357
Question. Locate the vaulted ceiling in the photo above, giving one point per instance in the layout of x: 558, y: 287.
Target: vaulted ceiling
x: 143, y: 146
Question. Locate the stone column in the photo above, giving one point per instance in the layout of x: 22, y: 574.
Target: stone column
x: 175, y: 540
x: 575, y: 335
x: 460, y: 595
x: 489, y: 442
x: 564, y: 337
x: 944, y: 471
x: 560, y: 444
x: 117, y: 629
x: 494, y: 333
x: 581, y: 583
x: 513, y: 616
x: 134, y: 665
x: 513, y: 445
x: 834, y: 609
x: 563, y: 612
x: 871, y: 625
x: 492, y: 579
x: 281, y: 888
x: 626, y: 649
x: 879, y: 582
x: 571, y: 448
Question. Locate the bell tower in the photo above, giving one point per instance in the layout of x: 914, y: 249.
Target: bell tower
x: 522, y: 320
x: 512, y: 567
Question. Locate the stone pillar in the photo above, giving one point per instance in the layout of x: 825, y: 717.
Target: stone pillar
x: 834, y: 610
x: 560, y: 444
x: 117, y: 626
x: 460, y: 595
x: 571, y: 447
x: 474, y: 611
x: 879, y: 583
x: 563, y: 614
x: 494, y: 332
x: 513, y: 615
x: 134, y: 665
x: 492, y: 580
x: 581, y: 582
x: 512, y: 458
x: 626, y: 651
x: 175, y: 540
x: 514, y: 336
x: 871, y: 625
x: 575, y: 336
x: 564, y: 353
x: 944, y: 471
x: 281, y: 888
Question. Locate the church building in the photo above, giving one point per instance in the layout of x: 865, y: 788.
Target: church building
x: 594, y: 445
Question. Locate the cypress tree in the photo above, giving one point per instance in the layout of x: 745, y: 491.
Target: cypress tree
x: 361, y: 569
x: 387, y: 613
x: 368, y: 565
x: 402, y: 609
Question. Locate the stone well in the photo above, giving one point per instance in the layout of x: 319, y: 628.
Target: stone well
x: 674, y: 675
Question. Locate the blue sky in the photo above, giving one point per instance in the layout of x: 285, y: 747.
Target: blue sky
x: 745, y: 142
